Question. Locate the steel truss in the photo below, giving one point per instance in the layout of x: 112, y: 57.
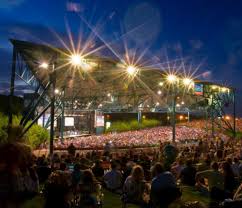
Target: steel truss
x: 218, y: 102
x: 40, y: 103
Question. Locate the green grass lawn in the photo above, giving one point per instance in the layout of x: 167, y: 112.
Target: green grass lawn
x: 113, y: 200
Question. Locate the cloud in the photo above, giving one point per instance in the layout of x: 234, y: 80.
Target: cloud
x: 10, y: 4
x: 207, y: 75
x: 37, y: 33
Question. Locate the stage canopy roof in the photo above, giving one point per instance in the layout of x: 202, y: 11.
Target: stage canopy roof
x: 95, y: 82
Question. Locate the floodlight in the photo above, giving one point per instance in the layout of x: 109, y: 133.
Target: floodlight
x: 132, y: 70
x: 171, y: 78
x: 76, y: 60
x: 187, y: 81
x: 224, y: 89
x: 44, y: 65
x: 57, y: 91
x: 227, y: 118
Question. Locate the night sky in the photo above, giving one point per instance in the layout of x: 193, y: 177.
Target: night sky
x: 207, y: 33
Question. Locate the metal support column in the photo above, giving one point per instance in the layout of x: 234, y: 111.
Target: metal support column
x: 139, y: 116
x: 174, y: 118
x: 234, y: 112
x: 213, y: 117
x: 62, y: 121
x: 52, y: 111
x: 12, y: 86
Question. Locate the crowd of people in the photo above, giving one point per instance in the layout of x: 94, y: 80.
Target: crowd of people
x: 147, y: 178
x: 139, y: 138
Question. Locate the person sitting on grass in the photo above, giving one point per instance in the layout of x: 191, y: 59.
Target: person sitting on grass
x: 58, y: 190
x: 164, y: 190
x: 188, y: 174
x: 98, y: 170
x: 215, y: 181
x: 90, y: 191
x: 213, y: 176
x: 113, y: 178
x: 136, y: 190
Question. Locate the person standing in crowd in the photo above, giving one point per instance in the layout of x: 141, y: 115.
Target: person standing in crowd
x: 76, y: 175
x: 177, y: 167
x: 71, y: 150
x: 235, y: 167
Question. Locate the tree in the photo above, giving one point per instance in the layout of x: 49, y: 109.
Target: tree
x: 34, y: 137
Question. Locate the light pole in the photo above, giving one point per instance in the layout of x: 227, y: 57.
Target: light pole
x: 173, y: 80
x: 176, y: 83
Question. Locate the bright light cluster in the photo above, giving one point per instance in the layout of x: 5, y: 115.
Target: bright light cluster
x: 78, y: 61
x: 187, y: 81
x: 44, y: 65
x: 132, y: 70
x: 171, y: 78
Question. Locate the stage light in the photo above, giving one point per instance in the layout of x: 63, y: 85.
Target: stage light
x: 57, y: 91
x: 182, y: 102
x: 224, y: 89
x: 227, y: 118
x: 214, y: 87
x: 161, y: 83
x: 132, y: 70
x: 157, y: 103
x: 76, y: 60
x: 187, y: 81
x: 44, y: 65
x: 159, y: 92
x: 178, y: 105
x: 171, y: 78
x: 181, y: 117
x: 109, y: 94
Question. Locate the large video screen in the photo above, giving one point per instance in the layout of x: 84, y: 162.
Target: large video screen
x: 99, y: 121
x: 69, y: 121
x: 198, y: 89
